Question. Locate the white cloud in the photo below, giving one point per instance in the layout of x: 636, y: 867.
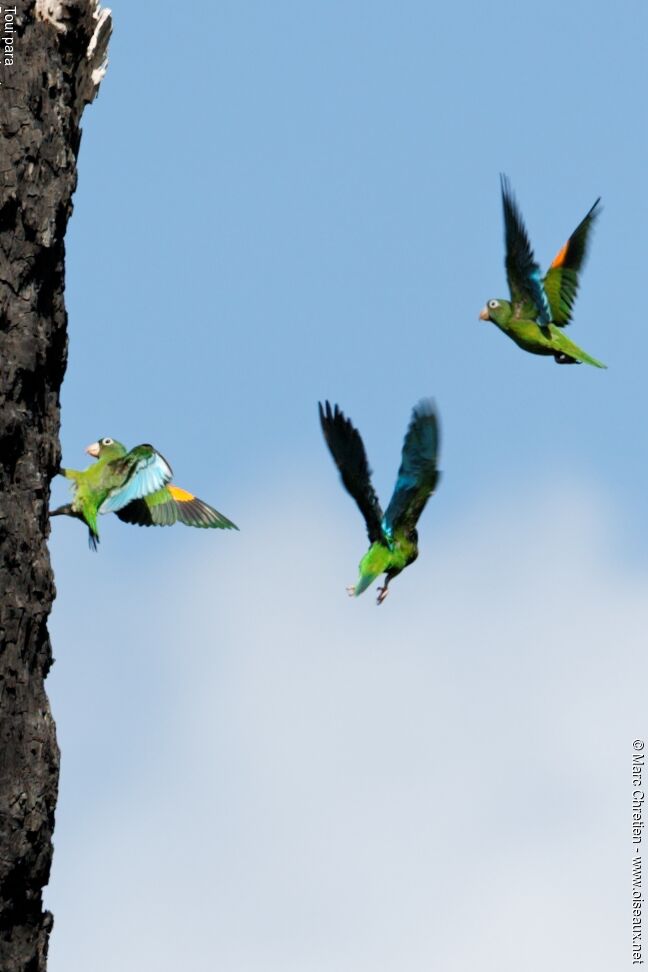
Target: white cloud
x: 313, y: 783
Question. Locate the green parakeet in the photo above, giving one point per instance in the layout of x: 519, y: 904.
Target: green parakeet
x: 135, y: 485
x: 539, y: 307
x: 393, y: 536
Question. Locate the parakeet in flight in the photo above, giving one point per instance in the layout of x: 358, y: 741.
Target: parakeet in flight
x: 393, y: 536
x: 540, y: 307
x: 135, y: 485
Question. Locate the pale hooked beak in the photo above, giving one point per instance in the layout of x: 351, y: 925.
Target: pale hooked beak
x: 483, y: 314
x: 93, y: 450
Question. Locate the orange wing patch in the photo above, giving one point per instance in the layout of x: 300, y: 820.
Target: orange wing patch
x: 180, y: 495
x: 560, y: 256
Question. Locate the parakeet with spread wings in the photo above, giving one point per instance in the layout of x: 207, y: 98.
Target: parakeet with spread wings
x: 135, y: 485
x: 393, y: 535
x: 540, y: 307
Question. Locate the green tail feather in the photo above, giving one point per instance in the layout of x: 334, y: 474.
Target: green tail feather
x: 562, y: 343
x: 365, y: 581
x: 374, y: 563
x: 585, y: 358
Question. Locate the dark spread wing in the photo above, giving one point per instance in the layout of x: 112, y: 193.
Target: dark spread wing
x: 171, y: 505
x: 418, y: 474
x: 139, y: 473
x: 195, y: 512
x: 522, y: 271
x: 561, y: 281
x: 349, y: 456
x: 139, y: 513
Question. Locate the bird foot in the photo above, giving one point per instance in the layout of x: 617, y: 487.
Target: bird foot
x: 562, y: 358
x: 351, y: 590
x: 382, y: 594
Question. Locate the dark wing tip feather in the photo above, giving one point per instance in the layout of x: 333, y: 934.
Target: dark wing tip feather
x: 339, y: 432
x: 418, y: 474
x: 595, y: 210
x: 578, y: 242
x: 515, y: 230
x: 562, y: 279
x: 424, y: 433
x: 331, y: 418
x: 505, y: 188
x: 509, y: 202
x: 197, y: 513
x: 426, y: 409
x: 137, y: 513
x: 348, y: 452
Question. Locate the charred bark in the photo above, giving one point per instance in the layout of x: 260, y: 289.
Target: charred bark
x: 52, y: 58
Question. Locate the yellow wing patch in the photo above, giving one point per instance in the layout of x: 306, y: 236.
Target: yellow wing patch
x: 180, y: 495
x: 560, y: 256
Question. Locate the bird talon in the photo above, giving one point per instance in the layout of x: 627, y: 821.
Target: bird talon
x: 382, y: 594
x: 350, y: 590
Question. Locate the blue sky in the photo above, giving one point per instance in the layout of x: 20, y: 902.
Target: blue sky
x: 284, y: 202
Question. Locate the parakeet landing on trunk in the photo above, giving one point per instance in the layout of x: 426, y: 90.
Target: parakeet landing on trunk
x: 540, y: 307
x: 393, y: 536
x: 135, y: 485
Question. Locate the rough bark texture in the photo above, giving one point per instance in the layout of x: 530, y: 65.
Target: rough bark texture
x: 58, y: 61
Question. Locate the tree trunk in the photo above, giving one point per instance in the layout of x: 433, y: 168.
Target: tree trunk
x: 52, y: 59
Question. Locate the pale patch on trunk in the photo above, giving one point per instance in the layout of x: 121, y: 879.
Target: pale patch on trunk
x: 91, y: 73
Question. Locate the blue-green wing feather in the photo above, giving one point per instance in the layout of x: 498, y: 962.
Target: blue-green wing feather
x: 143, y: 471
x: 522, y: 271
x: 170, y: 505
x: 418, y: 473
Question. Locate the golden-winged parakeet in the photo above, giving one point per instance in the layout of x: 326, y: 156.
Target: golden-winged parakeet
x: 393, y: 536
x: 540, y: 307
x: 135, y: 485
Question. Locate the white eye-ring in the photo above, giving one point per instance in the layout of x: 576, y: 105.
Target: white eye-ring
x: 493, y: 303
x: 106, y: 441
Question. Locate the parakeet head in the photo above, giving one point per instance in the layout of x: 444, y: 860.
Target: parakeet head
x: 496, y: 311
x: 106, y: 448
